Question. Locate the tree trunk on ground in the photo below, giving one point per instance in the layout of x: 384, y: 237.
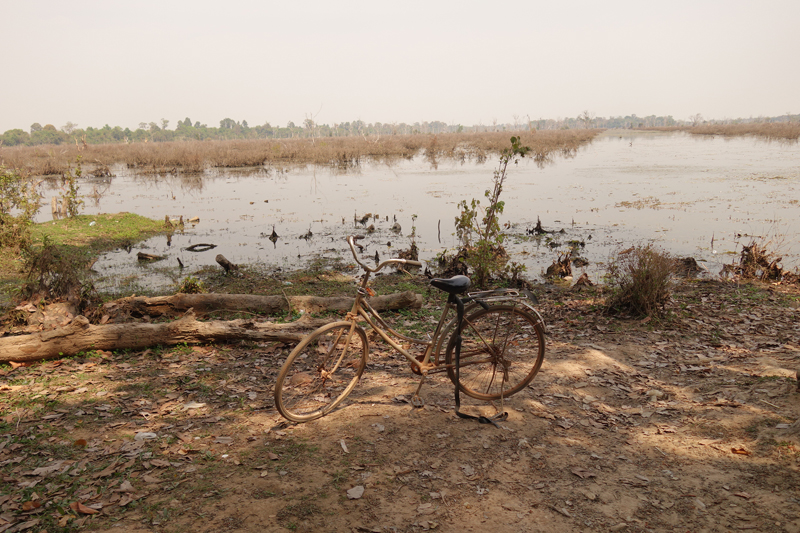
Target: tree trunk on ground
x: 79, y: 336
x: 178, y: 304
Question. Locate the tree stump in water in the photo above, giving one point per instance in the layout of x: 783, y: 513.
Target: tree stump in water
x: 227, y: 265
x: 561, y: 267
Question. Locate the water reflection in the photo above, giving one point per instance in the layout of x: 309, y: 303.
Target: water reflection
x: 674, y: 190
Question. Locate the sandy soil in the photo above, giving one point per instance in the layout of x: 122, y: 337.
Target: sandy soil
x: 673, y: 425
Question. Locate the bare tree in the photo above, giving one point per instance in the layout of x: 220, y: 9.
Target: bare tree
x: 69, y: 127
x: 587, y: 117
x: 696, y: 119
x: 309, y: 125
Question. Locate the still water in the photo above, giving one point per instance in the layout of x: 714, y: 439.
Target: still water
x: 671, y: 189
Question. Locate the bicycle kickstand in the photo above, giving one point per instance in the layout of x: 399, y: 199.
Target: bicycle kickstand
x: 416, y: 399
x: 501, y: 414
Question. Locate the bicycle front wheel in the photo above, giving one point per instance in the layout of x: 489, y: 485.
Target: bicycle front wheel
x: 502, y: 349
x: 321, y: 371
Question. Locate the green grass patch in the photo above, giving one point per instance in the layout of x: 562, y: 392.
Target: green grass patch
x: 108, y: 231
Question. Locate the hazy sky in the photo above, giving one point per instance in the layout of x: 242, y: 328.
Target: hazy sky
x: 467, y: 62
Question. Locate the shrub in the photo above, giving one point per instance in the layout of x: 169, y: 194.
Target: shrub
x: 191, y: 285
x: 18, y: 194
x: 639, y: 279
x: 478, y: 228
x: 57, y: 273
x: 70, y: 195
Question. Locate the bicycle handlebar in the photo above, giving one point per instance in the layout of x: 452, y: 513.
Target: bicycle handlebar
x: 351, y: 241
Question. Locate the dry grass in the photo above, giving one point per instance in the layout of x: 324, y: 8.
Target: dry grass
x: 768, y: 130
x: 639, y: 278
x: 343, y: 152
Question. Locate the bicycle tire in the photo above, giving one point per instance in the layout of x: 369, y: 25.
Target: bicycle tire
x: 501, y: 336
x: 321, y: 371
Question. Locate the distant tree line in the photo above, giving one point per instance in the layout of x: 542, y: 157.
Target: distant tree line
x: 232, y: 129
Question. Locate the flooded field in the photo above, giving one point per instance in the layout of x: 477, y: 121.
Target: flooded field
x: 675, y: 190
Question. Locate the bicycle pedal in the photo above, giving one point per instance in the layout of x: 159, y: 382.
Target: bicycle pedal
x: 500, y: 416
x: 417, y: 402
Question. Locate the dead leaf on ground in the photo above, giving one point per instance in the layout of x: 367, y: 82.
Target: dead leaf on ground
x: 31, y: 505
x: 125, y: 486
x: 356, y: 492
x: 582, y: 473
x: 107, y: 471
x: 26, y: 525
x: 46, y: 470
x: 78, y: 507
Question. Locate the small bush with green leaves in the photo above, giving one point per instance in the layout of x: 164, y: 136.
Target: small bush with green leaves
x: 21, y: 195
x: 191, y: 285
x: 479, y: 230
x: 70, y: 195
x: 639, y: 279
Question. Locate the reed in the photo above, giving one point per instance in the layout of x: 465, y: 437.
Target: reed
x: 768, y: 130
x: 342, y: 152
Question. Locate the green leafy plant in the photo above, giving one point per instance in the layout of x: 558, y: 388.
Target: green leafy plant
x: 18, y: 194
x: 478, y: 228
x: 639, y: 279
x: 70, y: 195
x: 191, y: 285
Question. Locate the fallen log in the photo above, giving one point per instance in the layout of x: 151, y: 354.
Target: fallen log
x: 80, y: 336
x: 149, y: 258
x: 176, y: 305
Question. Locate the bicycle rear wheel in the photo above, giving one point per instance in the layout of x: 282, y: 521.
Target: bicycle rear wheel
x: 321, y: 371
x: 502, y: 349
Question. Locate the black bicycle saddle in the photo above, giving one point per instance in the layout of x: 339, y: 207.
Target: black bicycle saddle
x: 454, y: 285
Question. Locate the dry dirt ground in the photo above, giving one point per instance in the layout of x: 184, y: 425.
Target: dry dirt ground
x: 679, y: 424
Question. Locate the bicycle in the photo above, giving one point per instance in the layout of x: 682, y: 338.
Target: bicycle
x: 495, y: 348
